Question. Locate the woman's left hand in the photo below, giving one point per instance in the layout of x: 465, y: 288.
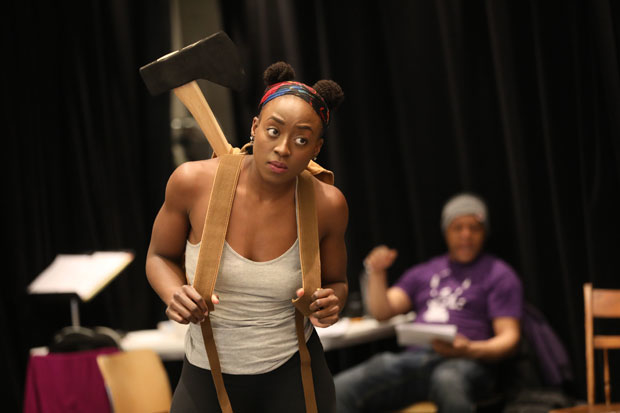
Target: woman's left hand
x: 325, y: 307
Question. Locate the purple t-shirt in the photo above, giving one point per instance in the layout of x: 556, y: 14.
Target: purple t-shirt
x: 467, y: 295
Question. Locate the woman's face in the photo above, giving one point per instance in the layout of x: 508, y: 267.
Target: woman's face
x: 287, y: 135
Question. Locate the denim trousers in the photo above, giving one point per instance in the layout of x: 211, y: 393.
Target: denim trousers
x: 389, y: 381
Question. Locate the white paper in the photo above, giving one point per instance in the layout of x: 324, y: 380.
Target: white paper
x: 423, y: 334
x: 82, y: 274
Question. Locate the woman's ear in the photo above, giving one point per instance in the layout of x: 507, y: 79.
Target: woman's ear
x: 254, y: 126
x: 319, y: 145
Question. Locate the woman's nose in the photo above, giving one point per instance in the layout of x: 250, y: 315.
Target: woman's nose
x: 282, y: 148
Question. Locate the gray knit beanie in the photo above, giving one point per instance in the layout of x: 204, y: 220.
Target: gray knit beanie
x: 464, y: 204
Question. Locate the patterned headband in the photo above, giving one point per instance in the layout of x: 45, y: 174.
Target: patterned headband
x: 303, y: 91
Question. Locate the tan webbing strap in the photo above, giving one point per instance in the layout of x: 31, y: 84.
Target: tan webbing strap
x: 216, y: 369
x: 306, y: 365
x: 309, y: 256
x: 211, y: 245
x: 216, y: 225
x: 308, y: 233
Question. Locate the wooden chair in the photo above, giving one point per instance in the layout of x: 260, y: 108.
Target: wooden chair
x: 421, y: 407
x: 598, y: 303
x: 136, y: 381
x: 430, y: 407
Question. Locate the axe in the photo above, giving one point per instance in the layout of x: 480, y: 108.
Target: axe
x: 214, y: 59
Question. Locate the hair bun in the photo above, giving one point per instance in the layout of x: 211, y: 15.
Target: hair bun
x: 331, y: 92
x: 278, y: 72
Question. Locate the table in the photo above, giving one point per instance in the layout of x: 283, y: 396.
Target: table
x: 168, y: 339
x: 349, y: 332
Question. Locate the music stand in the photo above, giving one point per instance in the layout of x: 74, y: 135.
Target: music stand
x: 81, y: 276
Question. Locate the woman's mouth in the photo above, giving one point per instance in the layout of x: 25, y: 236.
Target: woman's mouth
x: 277, y: 167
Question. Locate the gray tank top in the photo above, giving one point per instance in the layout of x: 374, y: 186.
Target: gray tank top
x: 254, y: 324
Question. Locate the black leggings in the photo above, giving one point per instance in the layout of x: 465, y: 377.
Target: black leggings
x: 276, y: 391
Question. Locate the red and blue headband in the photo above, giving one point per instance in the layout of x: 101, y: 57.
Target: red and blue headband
x: 300, y: 90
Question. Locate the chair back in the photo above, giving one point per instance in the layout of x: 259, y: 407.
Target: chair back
x: 136, y: 381
x: 599, y: 303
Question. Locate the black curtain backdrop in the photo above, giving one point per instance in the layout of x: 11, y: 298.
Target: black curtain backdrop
x: 518, y: 101
x: 88, y: 154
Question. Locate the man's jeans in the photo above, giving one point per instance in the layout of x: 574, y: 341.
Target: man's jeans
x: 390, y: 381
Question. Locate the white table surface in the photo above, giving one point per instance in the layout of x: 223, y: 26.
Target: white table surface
x: 168, y: 339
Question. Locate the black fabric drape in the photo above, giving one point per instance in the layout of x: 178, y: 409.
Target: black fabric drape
x: 88, y: 156
x: 516, y: 101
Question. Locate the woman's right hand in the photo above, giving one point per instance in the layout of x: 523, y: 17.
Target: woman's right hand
x: 187, y: 306
x: 379, y: 259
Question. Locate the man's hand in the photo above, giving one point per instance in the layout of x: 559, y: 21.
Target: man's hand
x: 187, y: 306
x: 325, y: 307
x: 380, y: 259
x: 502, y: 344
x: 458, y: 348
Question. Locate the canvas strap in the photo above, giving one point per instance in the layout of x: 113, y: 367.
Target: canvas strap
x: 212, y: 244
x: 308, y: 234
x: 209, y: 255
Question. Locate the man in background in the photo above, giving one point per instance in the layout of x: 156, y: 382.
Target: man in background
x: 475, y: 291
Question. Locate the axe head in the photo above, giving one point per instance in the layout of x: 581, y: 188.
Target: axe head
x: 214, y: 58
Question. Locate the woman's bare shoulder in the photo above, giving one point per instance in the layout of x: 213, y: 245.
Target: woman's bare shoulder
x: 327, y: 192
x: 191, y: 178
x: 330, y: 200
x: 193, y: 169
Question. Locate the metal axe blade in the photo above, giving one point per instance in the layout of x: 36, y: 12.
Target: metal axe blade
x: 214, y: 58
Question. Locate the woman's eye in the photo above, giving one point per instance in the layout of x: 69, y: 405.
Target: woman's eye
x: 272, y: 132
x: 301, y: 141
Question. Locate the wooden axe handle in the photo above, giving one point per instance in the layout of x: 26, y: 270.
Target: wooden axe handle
x: 193, y: 99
